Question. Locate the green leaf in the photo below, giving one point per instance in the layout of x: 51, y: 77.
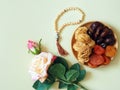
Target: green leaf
x: 81, y: 76
x: 82, y: 73
x: 72, y: 87
x: 35, y: 52
x: 75, y: 66
x: 62, y: 61
x: 35, y: 85
x: 72, y: 75
x: 62, y: 85
x: 40, y: 45
x: 42, y: 86
x: 57, y: 70
x: 51, y: 78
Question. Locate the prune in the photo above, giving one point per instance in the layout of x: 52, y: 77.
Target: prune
x: 108, y: 40
x: 113, y: 40
x: 105, y: 32
x: 101, y: 34
x: 99, y: 41
x: 95, y: 25
x: 110, y: 32
x: 98, y: 31
x: 89, y: 33
x: 103, y: 45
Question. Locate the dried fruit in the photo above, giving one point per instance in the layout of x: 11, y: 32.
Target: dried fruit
x: 99, y: 50
x: 110, y: 51
x: 107, y: 60
x: 96, y: 60
x: 101, y: 34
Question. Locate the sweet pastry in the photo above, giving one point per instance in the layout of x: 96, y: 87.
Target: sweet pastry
x: 83, y: 44
x: 94, y: 44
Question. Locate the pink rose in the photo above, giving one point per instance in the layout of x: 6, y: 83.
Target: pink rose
x: 40, y: 65
x: 34, y: 47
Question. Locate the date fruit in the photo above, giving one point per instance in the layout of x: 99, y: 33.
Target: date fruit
x: 101, y: 34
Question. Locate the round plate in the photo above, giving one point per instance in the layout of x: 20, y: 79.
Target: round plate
x: 88, y: 25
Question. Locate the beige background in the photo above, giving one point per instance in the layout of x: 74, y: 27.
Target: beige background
x: 21, y: 20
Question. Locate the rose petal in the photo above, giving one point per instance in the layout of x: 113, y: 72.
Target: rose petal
x: 40, y: 65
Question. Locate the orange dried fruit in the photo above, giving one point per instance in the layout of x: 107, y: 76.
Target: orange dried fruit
x: 99, y: 50
x: 107, y: 60
x: 110, y: 51
x: 96, y: 60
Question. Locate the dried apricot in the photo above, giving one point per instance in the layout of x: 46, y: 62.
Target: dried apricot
x: 110, y: 51
x: 96, y: 60
x: 107, y: 60
x: 99, y: 50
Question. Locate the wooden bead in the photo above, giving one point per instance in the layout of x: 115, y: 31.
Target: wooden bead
x: 70, y: 23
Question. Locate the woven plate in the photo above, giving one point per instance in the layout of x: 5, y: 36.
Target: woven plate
x: 88, y: 26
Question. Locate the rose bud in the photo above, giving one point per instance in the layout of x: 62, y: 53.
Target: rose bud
x: 34, y: 47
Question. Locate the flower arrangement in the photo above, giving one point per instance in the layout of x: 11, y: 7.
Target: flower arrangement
x: 46, y: 69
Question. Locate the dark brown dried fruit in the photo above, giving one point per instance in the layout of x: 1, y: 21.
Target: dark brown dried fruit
x: 103, y: 45
x: 95, y: 25
x: 89, y: 32
x: 105, y: 32
x: 99, y: 41
x: 101, y: 34
x: 108, y: 40
x: 98, y: 31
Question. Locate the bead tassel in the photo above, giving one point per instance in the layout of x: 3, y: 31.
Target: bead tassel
x: 58, y: 30
x: 60, y: 49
